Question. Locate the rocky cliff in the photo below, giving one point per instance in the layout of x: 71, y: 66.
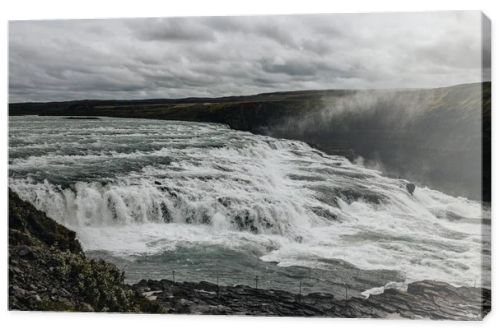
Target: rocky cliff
x: 49, y: 272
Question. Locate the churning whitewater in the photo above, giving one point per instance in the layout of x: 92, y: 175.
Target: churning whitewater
x: 135, y: 188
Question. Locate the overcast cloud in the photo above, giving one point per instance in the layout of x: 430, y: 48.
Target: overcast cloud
x: 220, y: 56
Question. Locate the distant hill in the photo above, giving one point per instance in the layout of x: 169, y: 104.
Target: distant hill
x: 438, y: 137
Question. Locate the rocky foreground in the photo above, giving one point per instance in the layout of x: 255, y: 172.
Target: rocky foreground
x: 49, y: 272
x: 422, y: 300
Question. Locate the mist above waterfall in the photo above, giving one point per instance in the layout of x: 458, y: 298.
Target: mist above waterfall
x: 433, y: 137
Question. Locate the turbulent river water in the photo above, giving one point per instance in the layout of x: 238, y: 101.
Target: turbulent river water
x: 165, y: 199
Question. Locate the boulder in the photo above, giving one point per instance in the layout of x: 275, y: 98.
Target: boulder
x: 410, y: 187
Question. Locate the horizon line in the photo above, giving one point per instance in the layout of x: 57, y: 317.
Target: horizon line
x: 253, y: 95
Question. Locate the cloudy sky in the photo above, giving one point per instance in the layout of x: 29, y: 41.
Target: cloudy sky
x: 219, y: 56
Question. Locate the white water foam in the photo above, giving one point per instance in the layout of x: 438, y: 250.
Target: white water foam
x: 294, y: 205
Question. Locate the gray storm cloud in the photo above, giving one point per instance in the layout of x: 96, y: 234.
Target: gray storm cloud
x: 217, y: 56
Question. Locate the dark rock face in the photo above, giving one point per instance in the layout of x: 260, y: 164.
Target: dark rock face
x: 410, y: 187
x: 49, y: 272
x: 25, y: 222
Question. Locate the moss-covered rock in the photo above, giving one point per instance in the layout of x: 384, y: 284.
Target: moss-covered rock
x: 48, y: 270
x: 28, y: 221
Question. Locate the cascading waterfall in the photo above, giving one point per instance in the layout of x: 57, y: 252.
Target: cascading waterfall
x: 144, y: 187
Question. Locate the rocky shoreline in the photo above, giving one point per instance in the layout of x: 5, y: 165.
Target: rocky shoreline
x: 48, y: 271
x: 422, y: 300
